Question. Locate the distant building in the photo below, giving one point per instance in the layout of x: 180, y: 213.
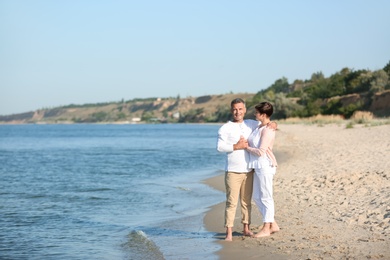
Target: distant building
x: 176, y: 115
x: 136, y: 119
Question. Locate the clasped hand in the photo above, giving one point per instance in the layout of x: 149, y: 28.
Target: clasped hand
x: 241, y: 144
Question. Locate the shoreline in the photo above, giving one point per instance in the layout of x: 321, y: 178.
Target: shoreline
x: 331, y: 194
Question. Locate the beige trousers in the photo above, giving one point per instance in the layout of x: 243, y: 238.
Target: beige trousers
x: 238, y: 185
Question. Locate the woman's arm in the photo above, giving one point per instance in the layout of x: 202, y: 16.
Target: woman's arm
x: 267, y: 136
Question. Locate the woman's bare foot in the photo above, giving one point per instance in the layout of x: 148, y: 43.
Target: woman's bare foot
x: 262, y: 233
x: 265, y: 231
x: 274, y: 227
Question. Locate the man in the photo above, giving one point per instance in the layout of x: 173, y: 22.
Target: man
x: 232, y: 139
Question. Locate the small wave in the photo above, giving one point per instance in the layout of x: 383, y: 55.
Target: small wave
x: 37, y: 196
x: 139, y: 246
x: 97, y: 198
x: 183, y: 188
x: 95, y: 190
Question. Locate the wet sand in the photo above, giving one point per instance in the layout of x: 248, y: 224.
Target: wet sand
x: 332, y: 197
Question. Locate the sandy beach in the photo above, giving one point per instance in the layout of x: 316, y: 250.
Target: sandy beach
x: 332, y: 197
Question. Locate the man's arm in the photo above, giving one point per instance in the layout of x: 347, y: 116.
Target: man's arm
x: 224, y: 146
x: 273, y: 125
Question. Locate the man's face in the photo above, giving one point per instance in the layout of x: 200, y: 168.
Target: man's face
x: 238, y: 111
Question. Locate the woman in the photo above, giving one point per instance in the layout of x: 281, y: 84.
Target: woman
x: 263, y: 161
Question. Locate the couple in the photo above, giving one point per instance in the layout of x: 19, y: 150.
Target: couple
x: 250, y: 166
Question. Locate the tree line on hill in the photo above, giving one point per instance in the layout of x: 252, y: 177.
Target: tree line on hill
x: 321, y: 95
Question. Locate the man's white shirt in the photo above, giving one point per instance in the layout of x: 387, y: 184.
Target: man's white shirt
x: 228, y: 135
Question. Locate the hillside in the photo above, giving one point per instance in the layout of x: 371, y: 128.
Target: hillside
x: 190, y: 109
x: 211, y: 108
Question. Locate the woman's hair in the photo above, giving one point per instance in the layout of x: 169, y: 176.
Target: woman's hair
x: 265, y: 108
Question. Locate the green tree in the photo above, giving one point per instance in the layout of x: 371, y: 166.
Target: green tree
x: 121, y: 116
x: 332, y: 107
x: 336, y: 85
x: 280, y: 85
x: 387, y: 69
x: 378, y: 82
x: 318, y: 76
x: 311, y: 107
x: 192, y: 116
x: 99, y: 116
x: 165, y: 113
x: 354, y: 82
x: 285, y: 107
x: 147, y: 116
x: 222, y: 114
x: 347, y: 111
x: 364, y: 82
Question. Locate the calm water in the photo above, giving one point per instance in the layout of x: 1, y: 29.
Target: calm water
x: 107, y: 191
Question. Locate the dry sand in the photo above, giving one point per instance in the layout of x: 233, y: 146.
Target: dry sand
x: 332, y: 197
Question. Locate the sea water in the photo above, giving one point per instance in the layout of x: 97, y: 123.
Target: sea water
x: 94, y: 191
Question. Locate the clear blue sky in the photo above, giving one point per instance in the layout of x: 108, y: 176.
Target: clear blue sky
x: 55, y: 53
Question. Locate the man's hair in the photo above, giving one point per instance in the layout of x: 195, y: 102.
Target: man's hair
x: 236, y: 101
x: 265, y: 108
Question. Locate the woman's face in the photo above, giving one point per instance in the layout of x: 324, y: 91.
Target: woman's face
x: 259, y: 117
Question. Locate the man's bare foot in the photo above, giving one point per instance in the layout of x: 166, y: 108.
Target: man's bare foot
x: 247, y: 233
x: 229, y: 234
x: 274, y: 227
